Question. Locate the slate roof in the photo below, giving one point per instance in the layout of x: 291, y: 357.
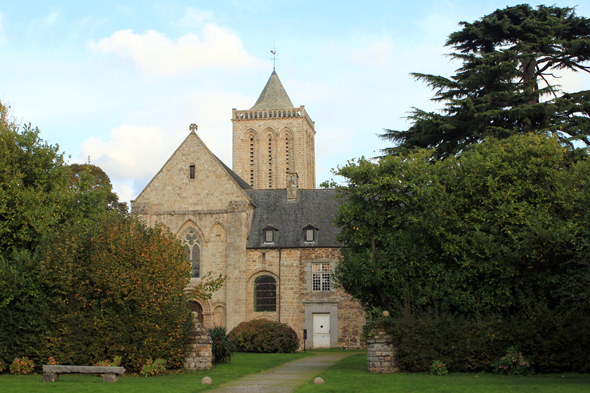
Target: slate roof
x: 273, y: 96
x: 289, y: 218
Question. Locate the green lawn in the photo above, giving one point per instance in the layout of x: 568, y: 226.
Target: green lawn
x: 181, y: 382
x: 350, y: 375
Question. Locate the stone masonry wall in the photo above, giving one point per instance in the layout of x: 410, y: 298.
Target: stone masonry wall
x: 301, y: 160
x: 199, y: 354
x: 381, y: 354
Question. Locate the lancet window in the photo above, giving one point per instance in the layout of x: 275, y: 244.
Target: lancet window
x: 192, y: 247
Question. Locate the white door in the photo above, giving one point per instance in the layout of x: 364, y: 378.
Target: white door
x: 321, y: 330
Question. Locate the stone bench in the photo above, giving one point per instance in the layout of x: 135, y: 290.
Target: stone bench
x: 110, y: 374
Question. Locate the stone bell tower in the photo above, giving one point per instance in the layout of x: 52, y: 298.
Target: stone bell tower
x: 273, y: 139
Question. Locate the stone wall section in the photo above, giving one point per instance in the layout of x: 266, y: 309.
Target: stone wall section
x: 199, y: 353
x: 301, y: 134
x: 294, y: 290
x: 220, y: 212
x: 381, y: 356
x: 351, y: 315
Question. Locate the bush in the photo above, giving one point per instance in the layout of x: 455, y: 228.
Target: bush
x: 154, y: 367
x: 514, y: 363
x: 116, y: 362
x: 222, y: 346
x: 438, y: 367
x: 22, y: 366
x: 556, y: 341
x: 261, y: 335
x: 1, y: 369
x: 116, y: 288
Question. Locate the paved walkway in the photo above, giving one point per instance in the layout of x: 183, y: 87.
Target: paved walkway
x: 285, y: 378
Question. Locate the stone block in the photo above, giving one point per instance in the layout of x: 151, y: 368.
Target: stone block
x: 50, y: 377
x: 110, y: 378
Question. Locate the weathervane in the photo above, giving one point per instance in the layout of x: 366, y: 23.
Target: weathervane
x: 274, y: 57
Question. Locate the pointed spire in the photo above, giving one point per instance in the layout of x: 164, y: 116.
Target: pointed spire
x: 274, y: 95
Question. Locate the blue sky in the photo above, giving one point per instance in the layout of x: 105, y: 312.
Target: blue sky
x: 121, y: 81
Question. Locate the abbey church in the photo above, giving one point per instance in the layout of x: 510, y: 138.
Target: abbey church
x: 263, y: 224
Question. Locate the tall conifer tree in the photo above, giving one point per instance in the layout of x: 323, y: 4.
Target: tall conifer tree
x: 506, y: 84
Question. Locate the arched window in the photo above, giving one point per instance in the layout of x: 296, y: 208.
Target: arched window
x: 265, y: 294
x: 251, y: 162
x: 192, y: 247
x: 269, y: 162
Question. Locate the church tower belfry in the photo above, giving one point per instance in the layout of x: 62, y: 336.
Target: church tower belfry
x: 273, y: 139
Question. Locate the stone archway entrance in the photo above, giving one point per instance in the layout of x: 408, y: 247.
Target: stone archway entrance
x: 196, y: 307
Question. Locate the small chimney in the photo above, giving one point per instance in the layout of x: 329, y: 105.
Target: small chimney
x: 292, y: 184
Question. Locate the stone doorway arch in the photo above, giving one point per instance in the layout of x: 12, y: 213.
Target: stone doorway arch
x: 195, y: 306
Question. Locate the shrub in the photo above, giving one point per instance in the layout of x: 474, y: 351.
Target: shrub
x: 261, y: 335
x: 558, y: 341
x: 222, y: 346
x: 1, y: 369
x: 514, y: 363
x: 116, y: 362
x: 116, y: 288
x: 438, y: 367
x: 22, y: 366
x: 52, y: 361
x: 154, y: 367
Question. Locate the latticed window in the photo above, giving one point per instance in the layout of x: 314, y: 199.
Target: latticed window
x: 321, y: 276
x: 265, y: 294
x: 269, y: 236
x: 192, y: 247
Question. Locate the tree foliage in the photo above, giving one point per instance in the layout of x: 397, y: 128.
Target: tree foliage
x: 492, y: 231
x: 39, y: 192
x: 505, y: 85
x: 116, y: 288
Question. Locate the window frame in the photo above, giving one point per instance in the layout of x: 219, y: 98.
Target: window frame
x: 321, y: 279
x: 265, y: 293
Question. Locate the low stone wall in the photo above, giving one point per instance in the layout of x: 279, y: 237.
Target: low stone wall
x: 381, y: 354
x: 199, y: 355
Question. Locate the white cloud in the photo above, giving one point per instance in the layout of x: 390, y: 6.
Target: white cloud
x: 131, y: 151
x: 156, y: 54
x: 195, y: 17
x: 133, y: 154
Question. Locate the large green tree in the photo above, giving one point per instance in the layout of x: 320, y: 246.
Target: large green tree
x: 115, y: 287
x: 39, y: 192
x: 496, y: 230
x: 505, y: 85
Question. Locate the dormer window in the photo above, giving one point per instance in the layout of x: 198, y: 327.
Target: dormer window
x: 269, y: 234
x: 191, y: 172
x: 309, y: 233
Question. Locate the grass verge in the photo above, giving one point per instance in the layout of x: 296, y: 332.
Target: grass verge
x: 175, y: 382
x: 350, y: 375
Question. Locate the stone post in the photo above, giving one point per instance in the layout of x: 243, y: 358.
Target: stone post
x: 381, y: 353
x: 199, y: 353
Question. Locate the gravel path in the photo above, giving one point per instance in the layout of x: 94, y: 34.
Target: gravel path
x: 285, y: 378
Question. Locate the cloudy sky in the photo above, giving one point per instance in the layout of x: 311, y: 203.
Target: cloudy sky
x: 121, y: 81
